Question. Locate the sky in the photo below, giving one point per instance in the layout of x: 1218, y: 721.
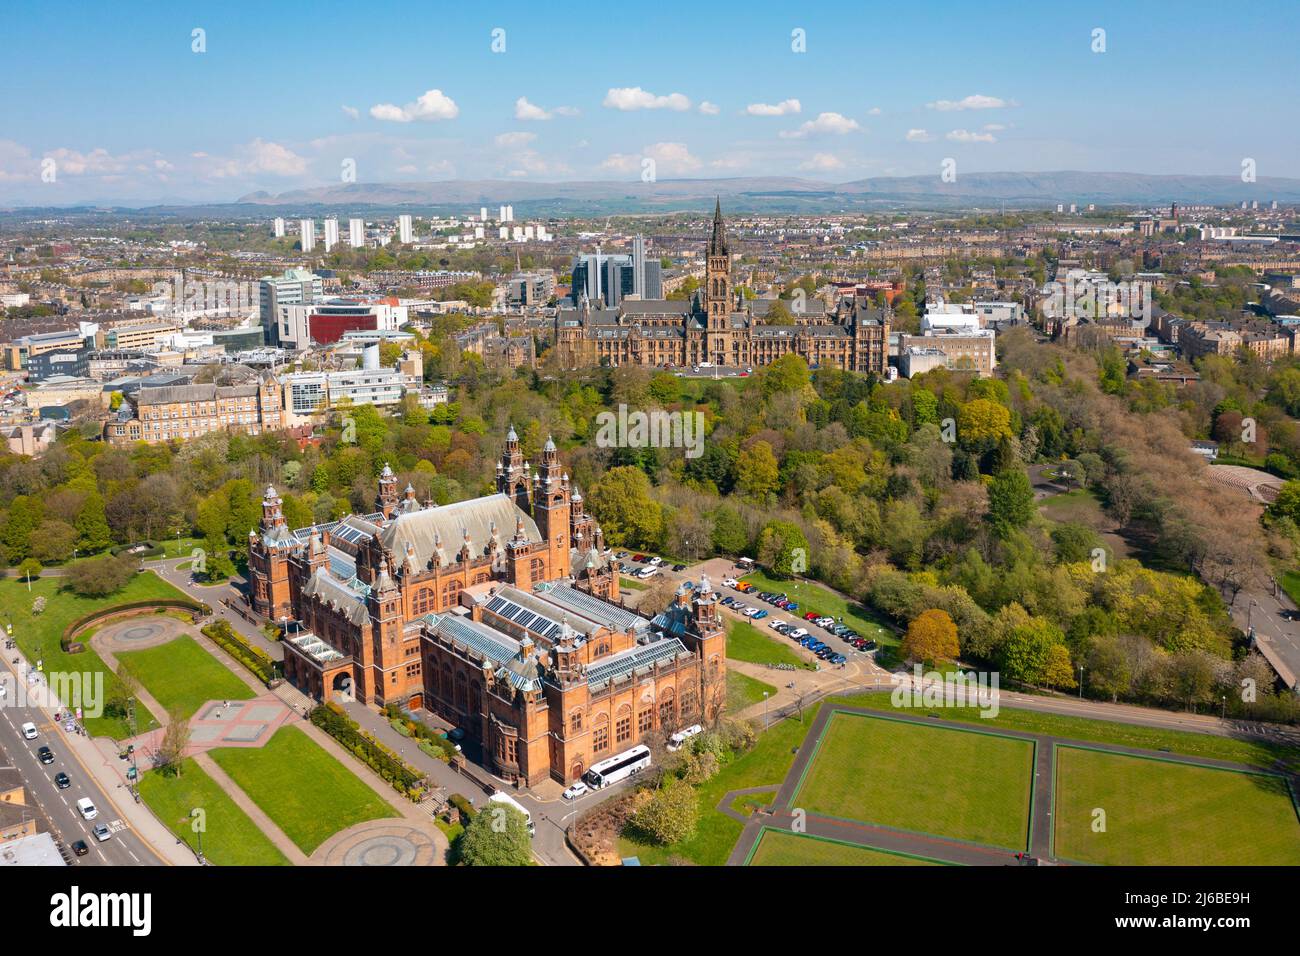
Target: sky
x: 210, y: 101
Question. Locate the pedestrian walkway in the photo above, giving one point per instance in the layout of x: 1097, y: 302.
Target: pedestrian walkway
x: 255, y: 813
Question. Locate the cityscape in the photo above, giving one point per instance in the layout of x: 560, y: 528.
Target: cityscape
x: 489, y: 465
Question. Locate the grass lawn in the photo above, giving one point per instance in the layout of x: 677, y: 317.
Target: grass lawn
x: 745, y: 642
x: 38, y: 635
x: 631, y: 584
x: 309, y: 794
x: 1165, y: 814
x: 1082, y: 506
x: 230, y: 837
x: 766, y: 763
x: 748, y: 803
x: 1290, y: 581
x: 744, y: 691
x: 951, y: 783
x: 183, y: 676
x: 814, y: 597
x: 1254, y: 753
x: 776, y: 848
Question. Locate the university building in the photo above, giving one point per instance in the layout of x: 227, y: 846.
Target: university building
x: 184, y: 412
x: 718, y: 327
x: 500, y: 614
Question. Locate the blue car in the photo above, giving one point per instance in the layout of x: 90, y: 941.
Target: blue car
x: 760, y: 615
x: 792, y: 606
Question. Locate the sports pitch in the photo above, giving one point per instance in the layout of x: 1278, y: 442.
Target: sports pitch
x: 960, y: 784
x: 1158, y: 812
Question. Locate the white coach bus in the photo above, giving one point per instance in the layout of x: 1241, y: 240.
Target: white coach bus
x: 618, y: 767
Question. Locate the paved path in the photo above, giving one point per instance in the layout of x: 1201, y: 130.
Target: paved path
x: 781, y: 815
x: 255, y: 813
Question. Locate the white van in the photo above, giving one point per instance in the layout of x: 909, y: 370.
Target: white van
x: 29, y: 731
x: 678, y: 740
x: 86, y: 809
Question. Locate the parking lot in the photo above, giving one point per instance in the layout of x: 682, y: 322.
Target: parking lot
x: 828, y: 639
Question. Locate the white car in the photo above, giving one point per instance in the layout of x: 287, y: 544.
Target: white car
x: 101, y: 832
x: 775, y: 623
x: 797, y: 633
x: 87, y: 809
x: 575, y: 790
x: 655, y: 562
x: 729, y: 582
x: 752, y: 611
x: 29, y: 731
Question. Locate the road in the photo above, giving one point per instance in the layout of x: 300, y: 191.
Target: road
x: 1262, y: 610
x: 124, y: 848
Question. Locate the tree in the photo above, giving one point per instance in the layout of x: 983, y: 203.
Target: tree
x: 730, y: 535
x: 757, y: 470
x: 932, y: 636
x: 93, y: 532
x: 627, y: 513
x: 789, y: 373
x: 1011, y: 502
x: 497, y: 836
x: 783, y: 548
x: 1074, y: 542
x: 671, y: 814
x: 29, y: 568
x: 100, y: 577
x: 53, y: 541
x: 1059, y: 672
x: 983, y: 421
x: 176, y: 737
x: 1028, y: 649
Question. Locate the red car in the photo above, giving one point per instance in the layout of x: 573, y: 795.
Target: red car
x: 638, y: 557
x: 811, y: 616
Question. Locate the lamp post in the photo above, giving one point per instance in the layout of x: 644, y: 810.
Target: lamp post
x: 765, y: 710
x: 1080, y: 682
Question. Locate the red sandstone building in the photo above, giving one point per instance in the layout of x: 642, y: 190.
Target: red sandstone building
x: 499, y: 614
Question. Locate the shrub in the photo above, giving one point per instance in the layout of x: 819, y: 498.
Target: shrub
x: 403, y: 778
x: 254, y: 658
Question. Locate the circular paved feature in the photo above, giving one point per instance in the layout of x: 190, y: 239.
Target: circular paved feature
x: 382, y: 843
x: 135, y: 634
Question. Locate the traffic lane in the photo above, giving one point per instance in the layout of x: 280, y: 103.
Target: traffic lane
x: 124, y: 848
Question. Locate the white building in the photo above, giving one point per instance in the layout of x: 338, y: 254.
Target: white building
x: 331, y: 234
x: 404, y: 231
x: 307, y: 231
x: 356, y: 233
x: 279, y: 227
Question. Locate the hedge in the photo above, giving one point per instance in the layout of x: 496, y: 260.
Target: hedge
x: 442, y: 748
x: 403, y: 778
x: 463, y: 805
x: 254, y: 658
x: 152, y: 606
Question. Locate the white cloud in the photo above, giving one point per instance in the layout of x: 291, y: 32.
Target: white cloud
x: 918, y: 136
x: 709, y: 109
x: 822, y: 162
x: 634, y: 98
x: 735, y: 161
x: 525, y: 110
x: 783, y: 108
x: 670, y: 158
x: 993, y: 127
x: 256, y: 158
x: 976, y: 101
x: 824, y: 123
x: 515, y: 140
x: 432, y: 105
x: 351, y: 112
x: 875, y: 111
x: 966, y: 136
x: 529, y: 162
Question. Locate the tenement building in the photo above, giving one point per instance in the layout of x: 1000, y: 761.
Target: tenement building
x: 500, y: 614
x: 719, y: 327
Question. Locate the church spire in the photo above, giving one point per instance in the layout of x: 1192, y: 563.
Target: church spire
x: 718, y: 241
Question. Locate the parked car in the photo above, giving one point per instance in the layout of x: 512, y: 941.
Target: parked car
x: 799, y: 632
x: 575, y: 790
x: 638, y: 557
x: 679, y: 567
x: 728, y: 582
x: 656, y: 561
x: 754, y: 612
x: 45, y: 755
x: 811, y: 616
x: 621, y: 555
x: 727, y: 601
x: 792, y: 607
x: 760, y: 615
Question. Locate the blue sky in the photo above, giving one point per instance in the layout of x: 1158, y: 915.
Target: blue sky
x: 287, y: 92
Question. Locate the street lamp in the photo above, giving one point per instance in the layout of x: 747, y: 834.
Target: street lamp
x: 765, y: 710
x: 1080, y: 682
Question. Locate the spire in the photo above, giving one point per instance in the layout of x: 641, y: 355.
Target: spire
x: 718, y: 241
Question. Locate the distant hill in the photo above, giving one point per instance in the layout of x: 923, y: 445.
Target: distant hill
x: 776, y: 193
